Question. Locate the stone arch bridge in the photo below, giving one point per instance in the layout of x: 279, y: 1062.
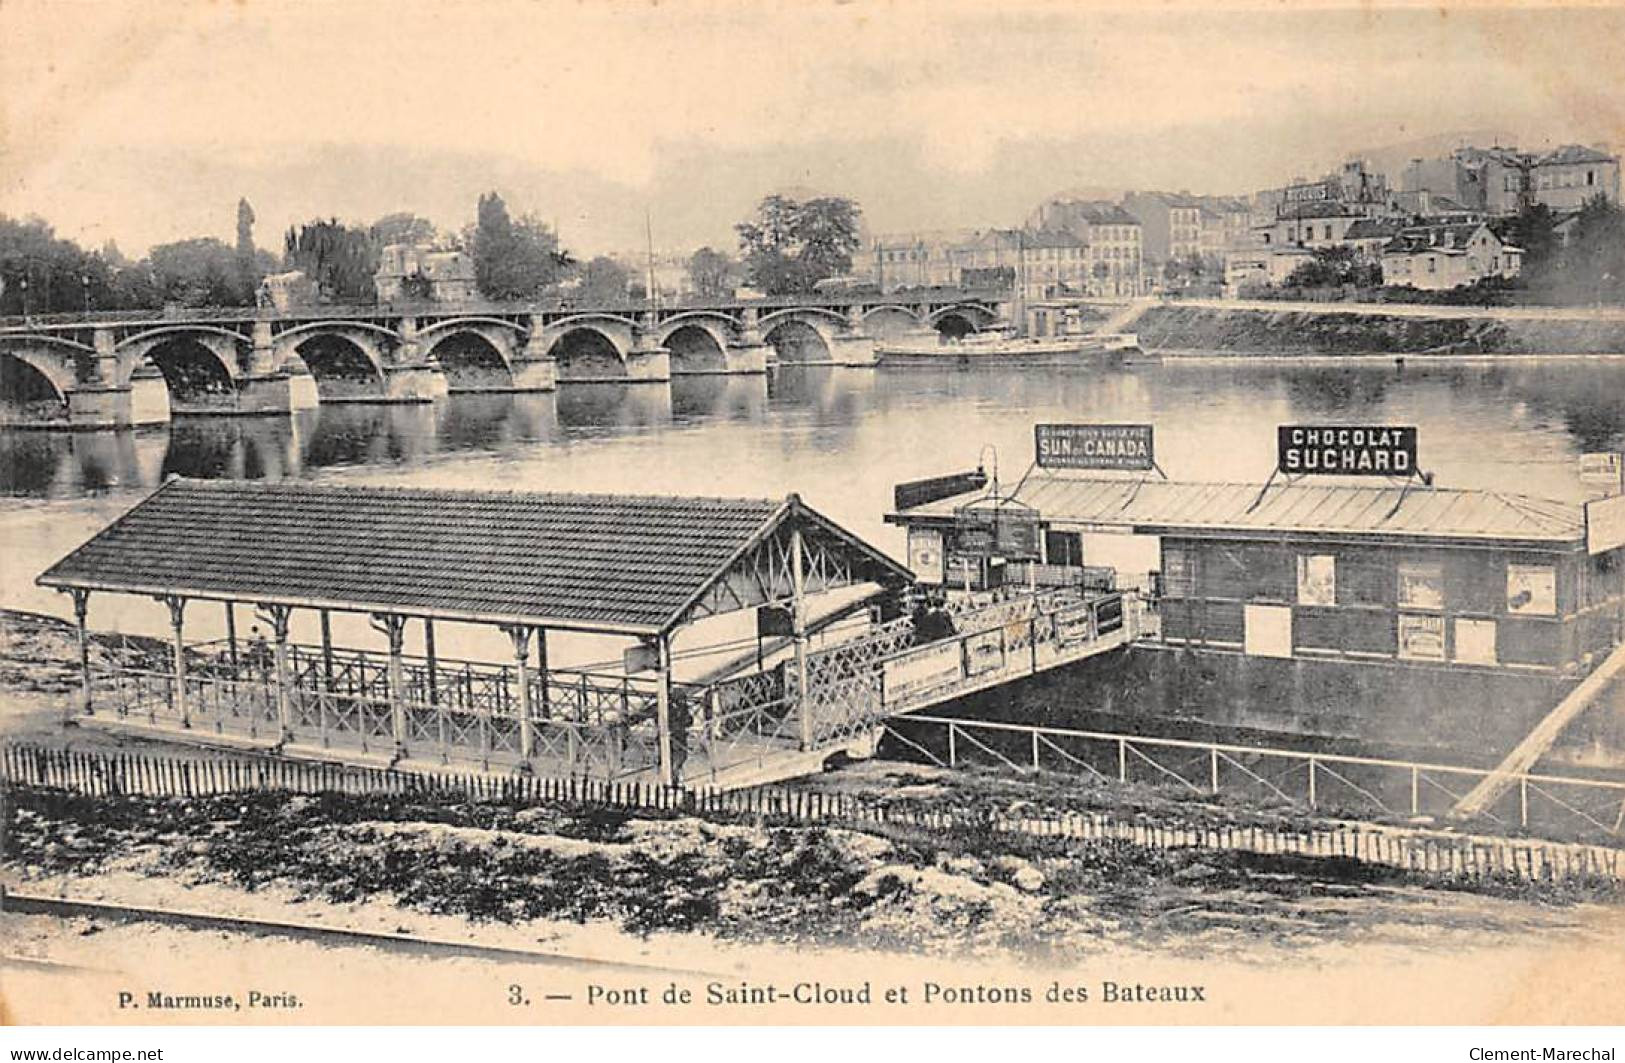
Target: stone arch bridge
x: 116, y: 369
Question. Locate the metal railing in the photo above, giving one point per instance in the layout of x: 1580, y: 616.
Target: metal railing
x: 1329, y: 782
x: 489, y: 308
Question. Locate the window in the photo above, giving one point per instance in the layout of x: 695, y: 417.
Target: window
x: 1591, y: 177
x: 1475, y: 641
x: 1328, y: 233
x: 1532, y: 590
x: 1433, y: 264
x: 1317, y: 579
x: 1421, y: 585
x: 1178, y: 571
x: 1063, y: 548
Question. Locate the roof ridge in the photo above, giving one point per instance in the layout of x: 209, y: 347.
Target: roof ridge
x: 222, y: 483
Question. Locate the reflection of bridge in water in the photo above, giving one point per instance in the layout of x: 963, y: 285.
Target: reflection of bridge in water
x: 705, y: 710
x: 116, y: 369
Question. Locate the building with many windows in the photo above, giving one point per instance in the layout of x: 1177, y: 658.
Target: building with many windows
x: 1113, y: 236
x: 1565, y: 178
x: 1171, y: 223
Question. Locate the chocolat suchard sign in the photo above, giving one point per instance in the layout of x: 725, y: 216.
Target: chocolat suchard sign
x: 1346, y: 450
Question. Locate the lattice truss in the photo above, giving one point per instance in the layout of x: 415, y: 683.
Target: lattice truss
x: 764, y: 575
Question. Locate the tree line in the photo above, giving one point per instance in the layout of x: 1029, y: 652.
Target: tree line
x: 786, y: 247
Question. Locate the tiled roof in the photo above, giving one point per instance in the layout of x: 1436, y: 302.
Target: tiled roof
x: 1570, y: 154
x: 1447, y: 239
x: 591, y: 562
x: 1317, y: 209
x: 1325, y: 508
x: 1372, y: 229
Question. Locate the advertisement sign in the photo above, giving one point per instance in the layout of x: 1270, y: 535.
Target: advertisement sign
x: 1421, y: 585
x: 1605, y: 524
x: 920, y: 672
x: 1015, y: 535
x: 1603, y: 468
x: 1108, y: 614
x: 1317, y: 579
x: 925, y: 554
x: 1072, y: 625
x: 774, y: 620
x: 919, y: 492
x: 973, y: 538
x: 1008, y: 531
x: 1421, y: 638
x: 984, y: 653
x: 1345, y: 450
x: 644, y: 657
x: 1266, y: 630
x: 1094, y: 446
x: 1532, y: 590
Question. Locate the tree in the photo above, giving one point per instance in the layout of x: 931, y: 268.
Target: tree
x: 202, y: 271
x: 1328, y: 268
x: 248, y: 274
x: 514, y: 259
x: 1534, y: 229
x: 1596, y: 253
x: 402, y: 227
x: 711, y: 272
x: 603, y: 280
x: 789, y: 246
x: 339, y: 259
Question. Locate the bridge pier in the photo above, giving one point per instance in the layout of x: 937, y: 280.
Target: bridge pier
x: 535, y: 374
x: 100, y: 406
x: 743, y: 358
x: 414, y: 382
x: 648, y: 364
x: 853, y: 348
x: 149, y: 396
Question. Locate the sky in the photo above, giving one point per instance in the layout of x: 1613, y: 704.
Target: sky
x: 145, y: 122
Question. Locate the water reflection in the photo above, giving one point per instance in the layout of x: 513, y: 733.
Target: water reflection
x: 697, y: 399
x: 1483, y: 425
x: 605, y: 407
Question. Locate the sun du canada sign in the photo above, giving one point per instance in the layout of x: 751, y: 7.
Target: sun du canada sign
x: 1093, y: 446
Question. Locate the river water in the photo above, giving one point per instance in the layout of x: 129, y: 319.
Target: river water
x: 839, y: 437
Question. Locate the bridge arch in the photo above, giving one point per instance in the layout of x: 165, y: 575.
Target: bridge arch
x: 819, y: 317
x: 473, y: 358
x: 887, y: 321
x: 485, y: 326
x: 34, y: 384
x: 797, y: 341
x: 230, y: 348
x: 696, y: 348
x: 586, y: 352
x: 977, y: 315
x: 341, y: 367
x: 196, y: 373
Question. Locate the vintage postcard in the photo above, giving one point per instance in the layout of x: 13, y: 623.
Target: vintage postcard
x: 713, y: 513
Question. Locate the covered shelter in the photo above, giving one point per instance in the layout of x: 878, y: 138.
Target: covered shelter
x: 637, y: 567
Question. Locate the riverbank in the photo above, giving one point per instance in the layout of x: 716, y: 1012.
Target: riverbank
x: 1343, y: 330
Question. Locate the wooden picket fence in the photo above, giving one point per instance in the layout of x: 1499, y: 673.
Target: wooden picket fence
x: 1429, y: 852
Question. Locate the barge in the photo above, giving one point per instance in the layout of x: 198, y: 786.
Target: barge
x: 1392, y: 617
